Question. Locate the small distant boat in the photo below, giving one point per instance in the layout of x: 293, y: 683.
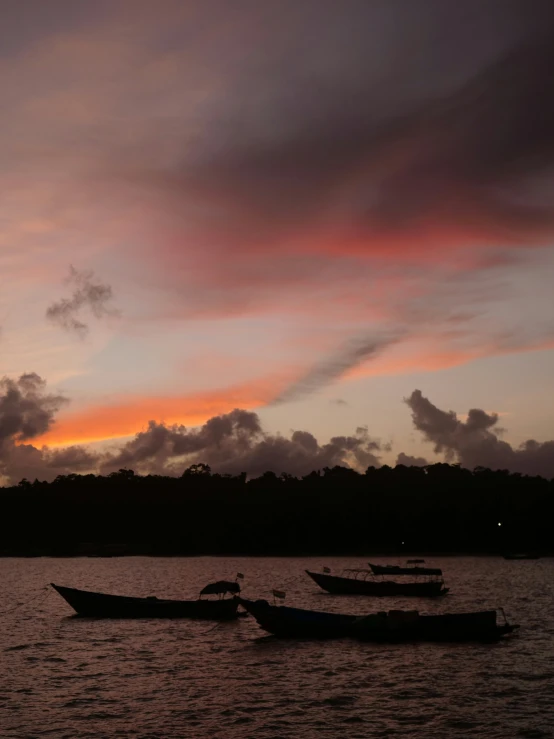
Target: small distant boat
x: 426, y: 582
x: 102, y: 605
x: 394, y: 626
x: 522, y: 556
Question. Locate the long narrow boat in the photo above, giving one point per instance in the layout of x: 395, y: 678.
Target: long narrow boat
x: 522, y: 556
x: 102, y: 605
x: 394, y: 626
x: 298, y: 622
x: 363, y: 582
x: 414, y: 571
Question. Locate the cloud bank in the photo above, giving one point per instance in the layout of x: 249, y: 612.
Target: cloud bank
x: 236, y: 442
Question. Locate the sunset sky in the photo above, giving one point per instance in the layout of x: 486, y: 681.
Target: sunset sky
x: 303, y: 208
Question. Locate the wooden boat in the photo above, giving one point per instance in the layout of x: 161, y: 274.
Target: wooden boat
x: 102, y: 605
x: 415, y: 570
x: 364, y: 582
x: 298, y: 622
x: 522, y: 556
x: 394, y: 626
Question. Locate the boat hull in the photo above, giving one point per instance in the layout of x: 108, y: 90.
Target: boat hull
x: 397, y: 570
x: 285, y: 622
x: 351, y: 586
x: 450, y: 627
x: 101, y: 605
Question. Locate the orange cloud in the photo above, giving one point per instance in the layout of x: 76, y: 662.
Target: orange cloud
x: 121, y: 419
x: 127, y: 418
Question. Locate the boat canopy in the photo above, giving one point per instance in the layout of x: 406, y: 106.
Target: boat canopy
x: 220, y: 587
x: 397, y: 570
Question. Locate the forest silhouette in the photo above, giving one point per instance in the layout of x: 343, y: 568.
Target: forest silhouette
x: 440, y: 508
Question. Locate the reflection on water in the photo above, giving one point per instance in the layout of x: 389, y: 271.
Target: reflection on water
x: 67, y: 677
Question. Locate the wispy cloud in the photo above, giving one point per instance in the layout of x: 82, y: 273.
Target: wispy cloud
x: 352, y: 354
x: 89, y: 296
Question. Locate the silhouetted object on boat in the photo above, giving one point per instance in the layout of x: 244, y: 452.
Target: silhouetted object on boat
x: 221, y: 587
x: 522, y: 556
x: 102, y: 605
x: 366, y: 582
x: 394, y: 626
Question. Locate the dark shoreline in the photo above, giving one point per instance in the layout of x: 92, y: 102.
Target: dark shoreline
x: 439, y: 510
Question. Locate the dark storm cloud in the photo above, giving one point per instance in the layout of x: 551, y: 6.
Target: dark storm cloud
x: 475, y: 443
x: 88, y: 294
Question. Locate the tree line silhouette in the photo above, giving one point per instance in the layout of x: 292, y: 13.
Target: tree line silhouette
x: 436, y: 508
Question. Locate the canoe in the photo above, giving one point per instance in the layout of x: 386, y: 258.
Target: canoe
x: 391, y: 627
x: 362, y: 586
x: 102, y: 605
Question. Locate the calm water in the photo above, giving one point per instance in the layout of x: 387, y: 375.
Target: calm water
x: 66, y: 677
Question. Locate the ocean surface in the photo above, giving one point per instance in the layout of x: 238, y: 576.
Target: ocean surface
x: 64, y: 677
